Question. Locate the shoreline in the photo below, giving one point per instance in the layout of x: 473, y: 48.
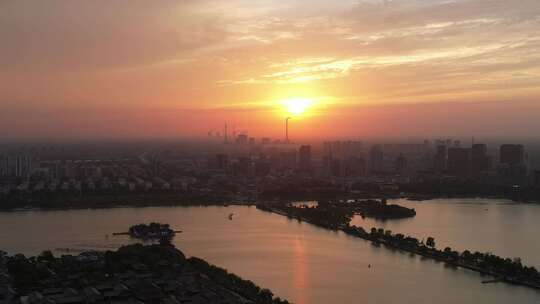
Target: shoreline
x: 147, y: 273
x: 359, y: 232
x: 226, y: 204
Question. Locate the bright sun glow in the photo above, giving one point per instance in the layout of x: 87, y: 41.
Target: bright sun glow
x: 297, y: 106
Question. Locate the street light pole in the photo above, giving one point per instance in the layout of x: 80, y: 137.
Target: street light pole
x: 287, y: 129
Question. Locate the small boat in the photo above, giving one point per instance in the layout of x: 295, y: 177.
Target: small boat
x: 231, y: 216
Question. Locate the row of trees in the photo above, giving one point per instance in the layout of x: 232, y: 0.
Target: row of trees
x: 506, y: 268
x: 333, y: 216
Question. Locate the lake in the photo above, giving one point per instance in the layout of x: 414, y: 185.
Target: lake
x: 306, y: 264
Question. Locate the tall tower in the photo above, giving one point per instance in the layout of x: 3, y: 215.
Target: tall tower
x: 287, y: 129
x: 225, y: 134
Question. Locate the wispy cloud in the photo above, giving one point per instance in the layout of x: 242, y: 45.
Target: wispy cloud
x: 211, y: 53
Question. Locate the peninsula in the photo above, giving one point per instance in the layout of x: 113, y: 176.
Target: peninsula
x: 132, y: 274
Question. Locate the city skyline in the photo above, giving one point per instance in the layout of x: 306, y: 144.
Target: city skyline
x: 169, y: 68
x: 269, y: 151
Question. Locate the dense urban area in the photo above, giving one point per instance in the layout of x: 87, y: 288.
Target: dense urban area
x: 244, y: 170
x: 344, y: 178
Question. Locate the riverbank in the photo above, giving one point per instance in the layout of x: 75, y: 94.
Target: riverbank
x: 504, y: 270
x: 149, y: 274
x: 70, y: 201
x: 112, y: 200
x: 106, y: 201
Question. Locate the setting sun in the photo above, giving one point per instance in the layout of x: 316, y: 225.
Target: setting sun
x: 297, y: 106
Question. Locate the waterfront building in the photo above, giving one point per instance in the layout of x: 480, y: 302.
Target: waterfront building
x: 512, y: 167
x: 479, y: 159
x: 459, y: 161
x: 512, y: 154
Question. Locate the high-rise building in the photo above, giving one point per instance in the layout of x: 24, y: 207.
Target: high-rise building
x: 242, y: 139
x: 376, y: 159
x: 304, y: 158
x: 342, y: 149
x: 262, y: 167
x: 479, y: 159
x: 401, y: 164
x: 4, y: 165
x: 222, y: 161
x: 512, y: 167
x: 536, y: 178
x: 512, y: 154
x: 357, y: 166
x: 336, y: 167
x: 440, y: 159
x: 243, y: 166
x: 16, y: 165
x: 459, y: 161
x: 288, y: 159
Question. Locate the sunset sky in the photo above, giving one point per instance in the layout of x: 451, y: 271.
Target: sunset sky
x: 182, y: 68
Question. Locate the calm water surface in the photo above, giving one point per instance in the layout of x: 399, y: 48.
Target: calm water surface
x: 502, y: 227
x: 297, y: 261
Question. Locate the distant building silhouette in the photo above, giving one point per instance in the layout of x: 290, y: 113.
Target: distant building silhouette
x: 242, y: 139
x: 459, y: 161
x: 401, y: 164
x: 512, y: 154
x: 512, y: 167
x: 262, y: 167
x: 336, y: 167
x: 222, y: 162
x: 440, y: 159
x: 357, y: 166
x: 288, y: 159
x: 376, y: 159
x: 242, y: 167
x: 342, y: 149
x: 479, y: 159
x: 536, y: 178
x: 304, y: 158
x: 17, y: 165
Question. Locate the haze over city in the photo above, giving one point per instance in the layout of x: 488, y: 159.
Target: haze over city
x: 269, y: 151
x: 182, y: 68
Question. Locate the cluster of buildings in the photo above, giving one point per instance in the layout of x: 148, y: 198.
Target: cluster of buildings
x: 24, y: 173
x: 243, y: 163
x: 85, y: 278
x: 18, y: 164
x: 403, y: 162
x: 134, y: 287
x: 475, y: 163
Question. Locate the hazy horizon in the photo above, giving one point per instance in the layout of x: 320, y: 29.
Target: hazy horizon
x: 408, y: 68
